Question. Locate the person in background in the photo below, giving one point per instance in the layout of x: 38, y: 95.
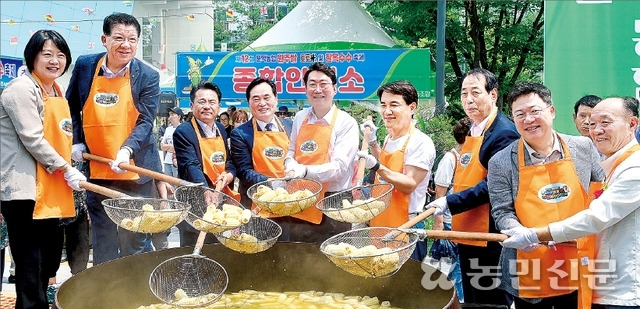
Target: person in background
x: 444, y: 185
x: 541, y: 178
x: 283, y: 112
x: 613, y: 214
x: 201, y: 149
x: 113, y: 99
x: 582, y: 111
x: 224, y: 119
x: 166, y: 144
x: 249, y: 141
x: 239, y: 117
x: 490, y: 132
x: 4, y: 242
x: 638, y: 135
x: 404, y: 160
x: 37, y: 176
x: 329, y: 138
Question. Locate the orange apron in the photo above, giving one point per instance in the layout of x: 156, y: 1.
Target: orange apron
x: 109, y: 116
x: 468, y: 173
x: 549, y: 193
x: 214, y: 157
x: 268, y: 154
x: 398, y: 211
x: 54, y: 198
x: 312, y: 145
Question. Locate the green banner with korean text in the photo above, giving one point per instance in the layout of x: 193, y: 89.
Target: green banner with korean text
x: 590, y: 47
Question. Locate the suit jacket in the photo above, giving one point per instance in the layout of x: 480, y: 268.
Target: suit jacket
x: 189, y: 155
x: 145, y: 89
x: 22, y: 144
x: 503, y: 181
x: 501, y: 133
x: 241, y: 147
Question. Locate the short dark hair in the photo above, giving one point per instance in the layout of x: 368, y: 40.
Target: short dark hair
x: 589, y: 100
x: 119, y: 19
x: 36, y: 43
x: 490, y: 79
x: 322, y: 67
x: 400, y: 87
x: 259, y: 81
x: 525, y: 88
x: 461, y: 129
x: 204, y: 84
x: 631, y: 105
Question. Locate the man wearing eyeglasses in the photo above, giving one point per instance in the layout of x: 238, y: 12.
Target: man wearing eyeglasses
x: 113, y: 99
x: 201, y: 149
x: 490, y: 132
x: 323, y: 144
x: 541, y: 178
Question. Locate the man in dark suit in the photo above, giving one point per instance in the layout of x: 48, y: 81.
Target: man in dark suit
x: 490, y: 132
x: 113, y: 99
x: 249, y: 139
x: 201, y: 149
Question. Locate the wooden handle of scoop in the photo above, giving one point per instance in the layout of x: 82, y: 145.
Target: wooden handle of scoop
x: 456, y: 235
x: 418, y: 218
x: 101, y: 190
x: 140, y: 171
x: 363, y: 147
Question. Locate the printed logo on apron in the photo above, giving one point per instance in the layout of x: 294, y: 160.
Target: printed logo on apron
x: 554, y: 193
x: 217, y: 158
x: 273, y: 152
x: 309, y: 146
x: 106, y: 99
x: 465, y: 159
x: 65, y: 126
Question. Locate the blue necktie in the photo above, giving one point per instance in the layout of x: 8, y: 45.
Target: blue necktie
x: 269, y: 126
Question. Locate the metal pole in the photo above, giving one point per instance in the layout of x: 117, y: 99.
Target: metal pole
x: 440, y: 34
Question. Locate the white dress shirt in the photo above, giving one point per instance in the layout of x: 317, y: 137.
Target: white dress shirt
x: 208, y: 131
x: 263, y: 125
x: 338, y: 172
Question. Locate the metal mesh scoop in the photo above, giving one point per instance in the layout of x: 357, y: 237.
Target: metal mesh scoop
x: 256, y: 236
x: 145, y: 215
x: 357, y: 205
x: 368, y: 253
x: 212, y: 211
x: 285, y: 197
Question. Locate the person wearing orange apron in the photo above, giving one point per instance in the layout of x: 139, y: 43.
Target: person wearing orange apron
x: 113, y: 99
x: 405, y: 159
x: 613, y: 213
x: 324, y: 141
x: 490, y: 132
x: 540, y: 179
x: 201, y: 150
x: 37, y: 177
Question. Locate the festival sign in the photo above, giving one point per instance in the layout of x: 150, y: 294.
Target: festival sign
x: 11, y: 68
x: 359, y: 72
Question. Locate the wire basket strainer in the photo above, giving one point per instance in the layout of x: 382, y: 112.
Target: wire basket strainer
x: 357, y: 205
x: 212, y: 211
x: 370, y: 252
x: 285, y: 197
x: 189, y: 280
x: 145, y: 215
x: 256, y: 236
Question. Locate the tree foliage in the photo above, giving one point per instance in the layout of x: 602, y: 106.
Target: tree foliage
x: 504, y: 37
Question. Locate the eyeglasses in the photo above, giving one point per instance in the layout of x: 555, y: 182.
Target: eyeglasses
x: 120, y: 40
x: 314, y: 85
x: 534, y: 112
x: 204, y: 102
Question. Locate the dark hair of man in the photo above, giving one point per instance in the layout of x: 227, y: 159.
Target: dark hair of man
x: 491, y: 80
x: 322, y: 67
x: 205, y: 85
x: 461, y: 129
x: 631, y: 105
x: 525, y: 88
x: 589, y: 100
x: 400, y: 87
x: 259, y: 81
x: 36, y: 43
x: 119, y: 19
